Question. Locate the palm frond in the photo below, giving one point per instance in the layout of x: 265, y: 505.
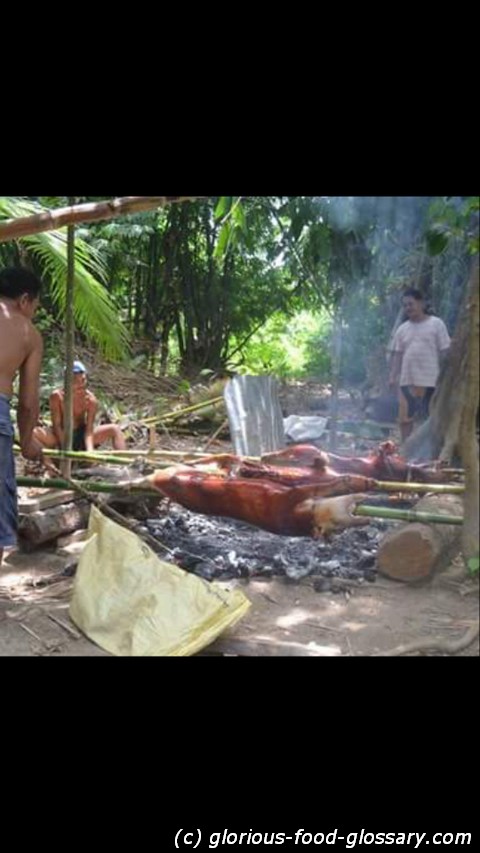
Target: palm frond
x: 96, y: 314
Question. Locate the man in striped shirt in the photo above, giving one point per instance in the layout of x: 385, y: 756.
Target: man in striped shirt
x: 418, y: 349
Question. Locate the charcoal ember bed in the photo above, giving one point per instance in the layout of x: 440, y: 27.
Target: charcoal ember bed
x: 222, y: 548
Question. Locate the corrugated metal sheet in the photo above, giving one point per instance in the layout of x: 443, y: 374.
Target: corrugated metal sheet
x: 254, y: 414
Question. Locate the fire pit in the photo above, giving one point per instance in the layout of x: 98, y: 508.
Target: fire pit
x: 222, y: 548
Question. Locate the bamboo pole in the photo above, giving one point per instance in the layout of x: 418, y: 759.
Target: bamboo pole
x: 51, y: 220
x: 431, y: 488
x: 124, y: 455
x: 86, y: 486
x: 179, y: 412
x: 120, y: 457
x: 141, y: 490
x: 88, y: 456
x: 156, y: 454
x: 407, y: 515
x: 66, y: 464
x: 83, y: 456
x: 107, y: 459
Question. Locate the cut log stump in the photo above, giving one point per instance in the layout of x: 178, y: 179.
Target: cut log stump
x: 414, y: 552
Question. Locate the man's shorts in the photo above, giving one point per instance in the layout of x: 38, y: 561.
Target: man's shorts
x: 413, y: 402
x: 78, y: 438
x: 8, y: 486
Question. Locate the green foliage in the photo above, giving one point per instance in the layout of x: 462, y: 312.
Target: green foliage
x: 453, y: 219
x: 46, y: 325
x: 437, y: 238
x: 233, y: 225
x: 95, y: 313
x: 474, y: 565
x: 223, y: 206
x: 289, y: 347
x: 254, y: 282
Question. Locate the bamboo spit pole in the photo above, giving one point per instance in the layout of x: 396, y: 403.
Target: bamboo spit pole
x: 127, y: 455
x: 87, y: 485
x: 85, y: 456
x: 407, y: 515
x: 416, y: 488
x: 431, y: 488
x: 131, y: 489
x: 107, y: 459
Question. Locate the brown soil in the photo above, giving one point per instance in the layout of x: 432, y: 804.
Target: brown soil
x: 285, y: 618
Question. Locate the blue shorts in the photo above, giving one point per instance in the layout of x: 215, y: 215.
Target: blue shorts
x: 8, y: 485
x: 416, y: 404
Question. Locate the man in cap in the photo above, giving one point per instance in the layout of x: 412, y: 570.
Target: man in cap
x: 86, y: 436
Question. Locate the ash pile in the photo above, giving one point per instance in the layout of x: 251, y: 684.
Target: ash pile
x: 222, y: 548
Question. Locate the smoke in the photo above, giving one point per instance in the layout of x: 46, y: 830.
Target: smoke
x: 391, y: 226
x: 384, y: 250
x: 419, y: 447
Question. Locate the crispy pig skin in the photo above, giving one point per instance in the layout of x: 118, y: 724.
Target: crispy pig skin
x: 382, y: 464
x: 285, y: 510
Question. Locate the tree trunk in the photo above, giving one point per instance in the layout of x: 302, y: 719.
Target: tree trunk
x: 164, y: 350
x: 468, y: 431
x: 138, y: 301
x: 413, y: 552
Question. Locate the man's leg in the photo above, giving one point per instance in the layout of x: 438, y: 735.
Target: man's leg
x: 8, y: 494
x: 46, y: 437
x: 427, y: 399
x: 406, y: 408
x: 105, y: 431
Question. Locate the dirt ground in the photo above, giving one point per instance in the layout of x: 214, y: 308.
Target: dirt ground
x: 285, y: 618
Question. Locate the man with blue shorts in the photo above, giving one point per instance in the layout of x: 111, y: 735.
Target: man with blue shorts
x: 21, y: 350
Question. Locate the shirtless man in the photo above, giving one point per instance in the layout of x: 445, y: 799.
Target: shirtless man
x: 21, y: 350
x: 86, y: 436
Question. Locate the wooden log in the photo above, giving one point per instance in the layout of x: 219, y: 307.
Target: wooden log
x: 40, y: 501
x: 46, y: 525
x: 414, y: 552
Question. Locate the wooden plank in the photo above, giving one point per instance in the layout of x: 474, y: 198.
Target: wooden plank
x: 53, y: 497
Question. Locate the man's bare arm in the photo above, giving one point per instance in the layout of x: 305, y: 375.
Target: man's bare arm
x: 56, y: 412
x: 29, y: 398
